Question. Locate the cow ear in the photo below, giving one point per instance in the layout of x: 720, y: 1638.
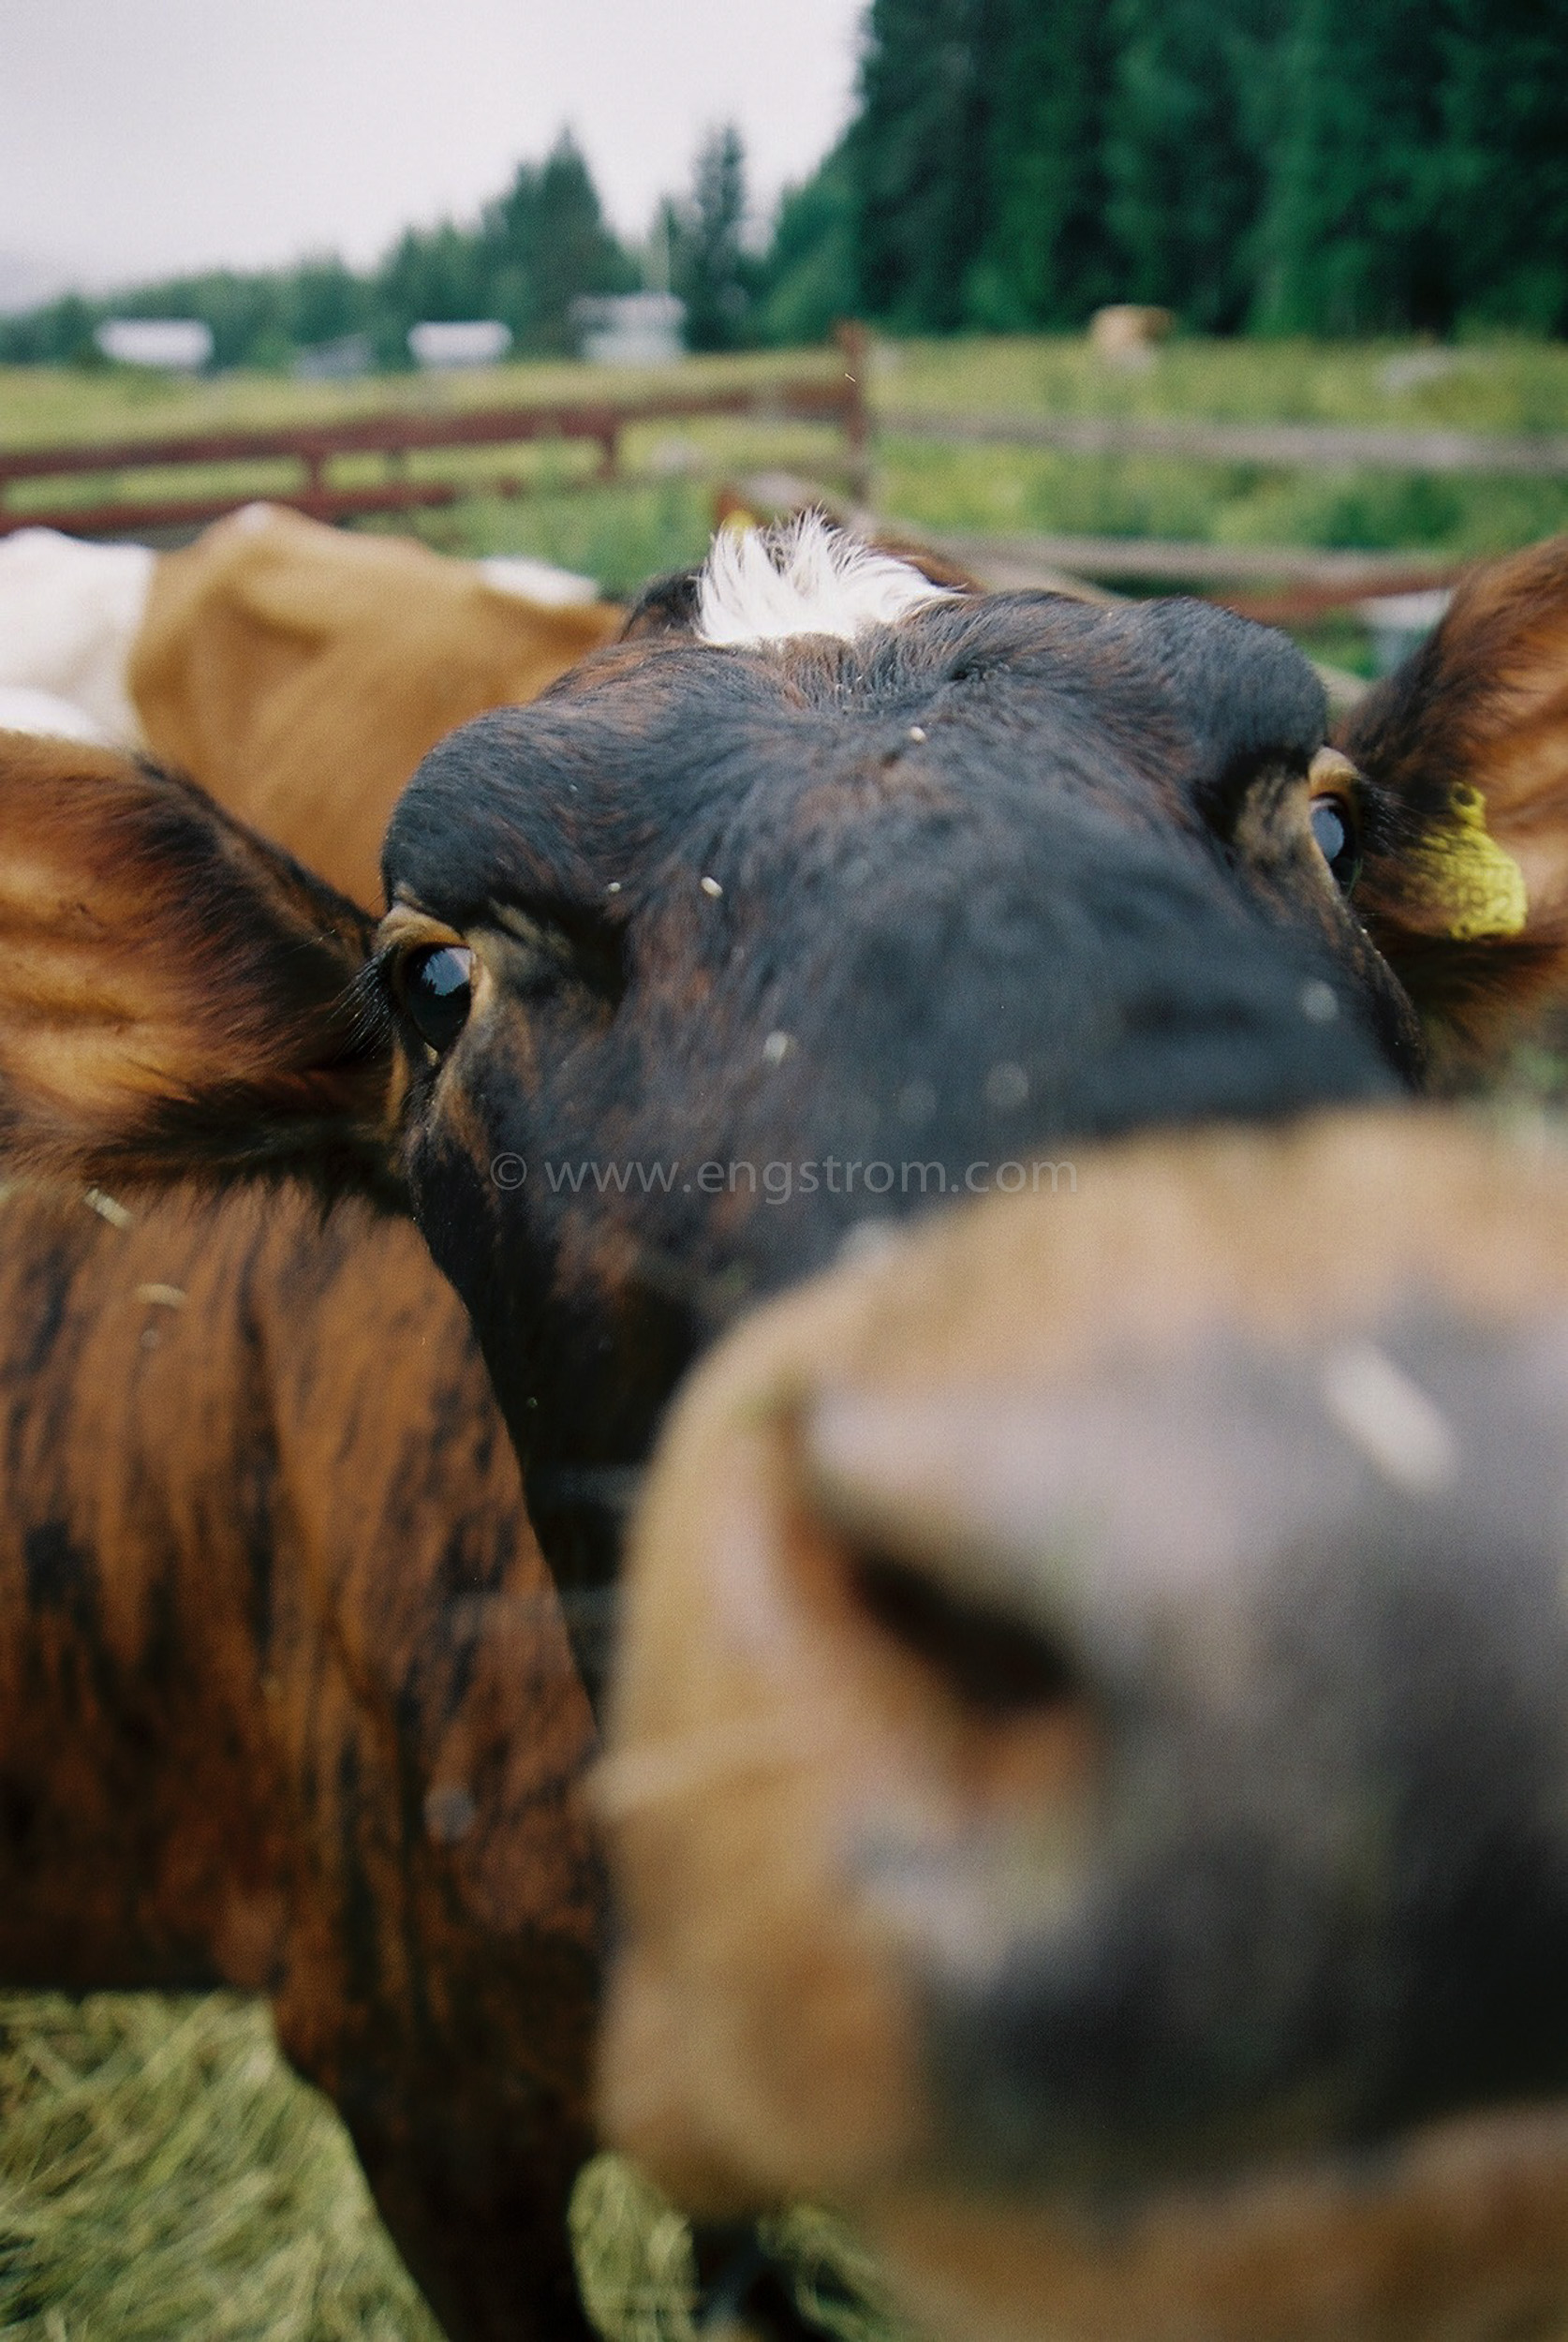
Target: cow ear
x: 1464, y: 754
x: 176, y: 995
x: 666, y: 605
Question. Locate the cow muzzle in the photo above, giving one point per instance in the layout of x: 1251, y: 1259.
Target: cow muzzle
x: 1093, y: 1798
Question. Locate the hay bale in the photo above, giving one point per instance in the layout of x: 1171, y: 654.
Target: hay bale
x: 164, y: 2176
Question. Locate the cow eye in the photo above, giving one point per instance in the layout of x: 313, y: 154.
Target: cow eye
x: 437, y: 989
x: 1334, y: 827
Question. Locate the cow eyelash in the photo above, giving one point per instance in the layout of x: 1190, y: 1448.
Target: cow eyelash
x: 376, y: 999
x: 368, y: 1005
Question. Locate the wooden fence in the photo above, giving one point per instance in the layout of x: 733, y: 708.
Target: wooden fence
x: 833, y: 396
x: 1281, y: 585
x: 1286, y: 586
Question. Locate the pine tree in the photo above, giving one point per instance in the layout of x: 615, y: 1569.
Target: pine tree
x: 1192, y: 127
x: 709, y: 267
x: 322, y: 301
x: 1353, y: 240
x: 430, y: 272
x: 809, y: 278
x: 1505, y: 143
x: 917, y: 158
x: 542, y: 245
x: 1050, y: 256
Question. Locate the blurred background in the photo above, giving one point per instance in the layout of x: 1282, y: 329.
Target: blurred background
x: 1264, y: 299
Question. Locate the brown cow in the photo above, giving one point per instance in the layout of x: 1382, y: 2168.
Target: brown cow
x: 823, y: 869
x: 303, y: 674
x: 1089, y: 1787
x: 287, y: 1701
x: 297, y: 672
x: 300, y: 673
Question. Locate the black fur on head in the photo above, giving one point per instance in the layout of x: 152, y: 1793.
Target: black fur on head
x: 772, y: 941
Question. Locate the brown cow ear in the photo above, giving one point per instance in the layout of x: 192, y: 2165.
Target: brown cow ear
x: 175, y: 993
x: 1465, y: 757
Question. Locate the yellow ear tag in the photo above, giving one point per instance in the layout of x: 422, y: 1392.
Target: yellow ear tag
x: 1480, y: 886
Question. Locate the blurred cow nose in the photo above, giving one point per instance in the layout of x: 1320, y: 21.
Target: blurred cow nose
x: 1046, y: 1545
x: 1259, y: 1661
x: 946, y: 1533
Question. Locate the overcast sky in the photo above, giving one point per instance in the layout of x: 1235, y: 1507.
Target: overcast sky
x: 140, y: 137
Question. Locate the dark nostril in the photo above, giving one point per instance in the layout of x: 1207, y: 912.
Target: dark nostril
x: 998, y: 1665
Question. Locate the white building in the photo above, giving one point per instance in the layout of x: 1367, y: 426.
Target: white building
x: 640, y: 329
x: 471, y: 342
x: 172, y: 344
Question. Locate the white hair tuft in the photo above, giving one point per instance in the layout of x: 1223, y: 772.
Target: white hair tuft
x: 804, y: 576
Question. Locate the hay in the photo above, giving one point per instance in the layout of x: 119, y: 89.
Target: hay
x: 637, y: 2266
x: 836, y: 2284
x: 164, y: 2176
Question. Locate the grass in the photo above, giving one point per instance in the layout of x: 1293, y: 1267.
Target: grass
x: 1027, y: 490
x: 658, y: 517
x: 164, y: 2178
x: 42, y: 405
x: 620, y: 535
x: 1501, y: 385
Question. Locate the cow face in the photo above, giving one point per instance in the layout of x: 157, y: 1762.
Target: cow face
x: 828, y: 893
x: 827, y: 896
x: 1108, y: 1669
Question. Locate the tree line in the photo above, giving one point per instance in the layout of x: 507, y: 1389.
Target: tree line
x: 529, y: 256
x: 1327, y: 167
x: 524, y: 261
x: 1330, y: 166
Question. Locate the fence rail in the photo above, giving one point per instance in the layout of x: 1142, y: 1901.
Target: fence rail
x: 1283, y: 584
x: 1307, y: 446
x: 835, y: 398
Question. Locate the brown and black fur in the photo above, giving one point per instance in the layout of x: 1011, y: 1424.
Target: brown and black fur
x: 274, y: 1617
x: 1482, y: 706
x: 1009, y: 831
x: 287, y: 1699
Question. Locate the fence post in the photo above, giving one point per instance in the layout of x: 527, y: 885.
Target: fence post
x: 854, y: 347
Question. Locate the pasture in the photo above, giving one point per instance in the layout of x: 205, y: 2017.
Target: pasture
x: 160, y: 2171
x: 659, y: 515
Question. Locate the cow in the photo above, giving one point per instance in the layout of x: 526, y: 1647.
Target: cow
x: 68, y: 614
x: 1087, y: 1785
x: 298, y: 672
x: 303, y: 674
x: 286, y: 1702
x: 827, y: 892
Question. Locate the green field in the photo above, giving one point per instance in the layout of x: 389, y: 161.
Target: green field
x: 660, y: 517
